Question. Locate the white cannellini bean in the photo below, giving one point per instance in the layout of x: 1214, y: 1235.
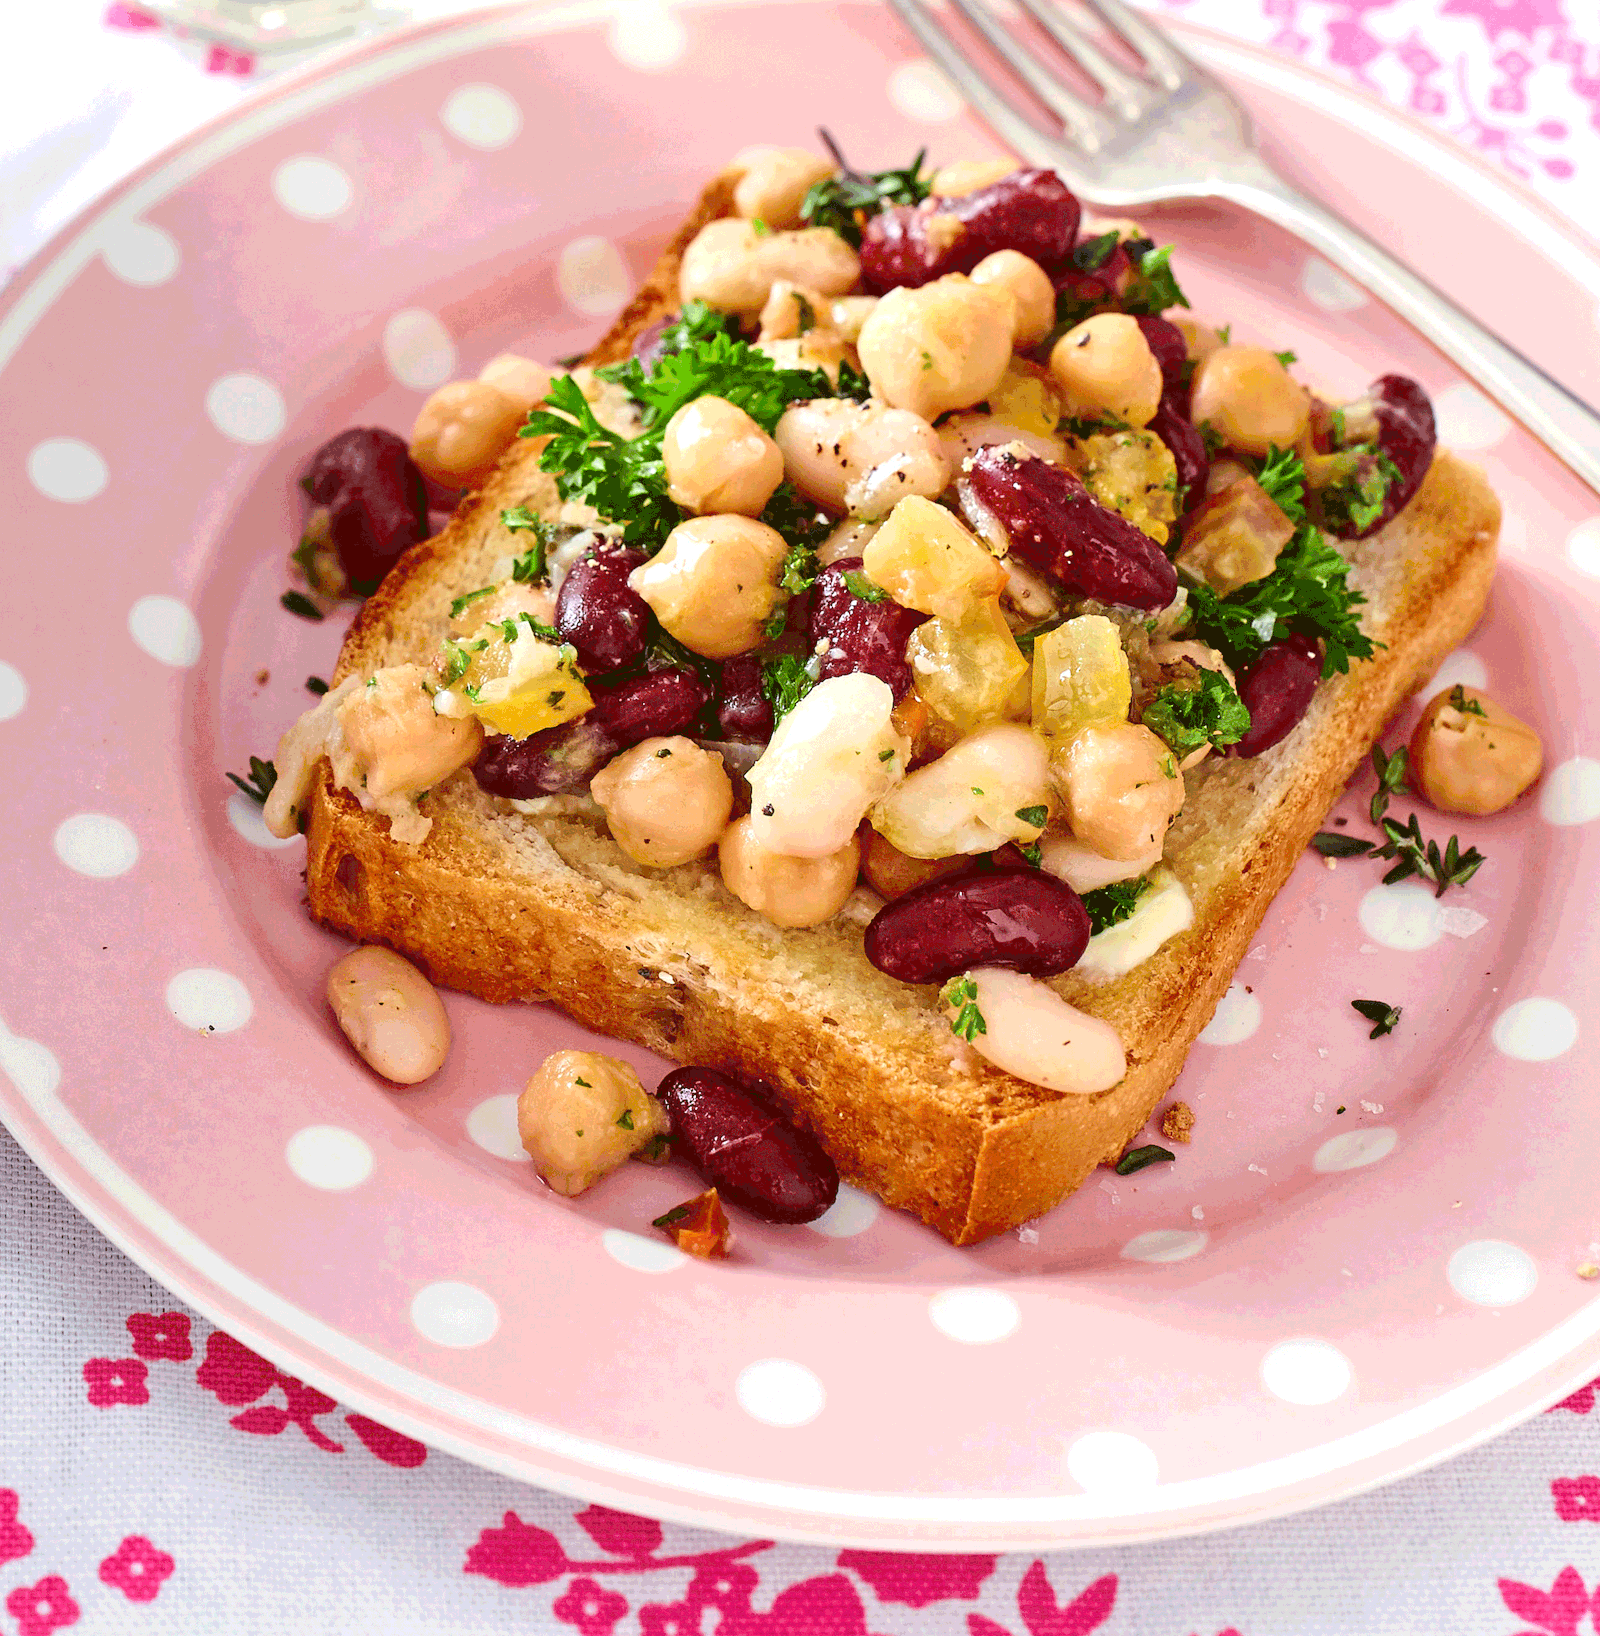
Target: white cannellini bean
x: 967, y: 801
x: 963, y: 435
x: 1164, y: 910
x: 390, y: 1013
x: 317, y: 733
x: 1034, y: 1034
x: 832, y: 757
x: 860, y: 457
x: 1084, y: 869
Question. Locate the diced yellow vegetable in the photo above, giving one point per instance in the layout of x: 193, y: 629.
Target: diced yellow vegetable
x: 1080, y: 678
x: 1027, y: 398
x: 1134, y: 473
x: 966, y: 672
x: 926, y: 560
x: 1235, y: 537
x: 515, y: 682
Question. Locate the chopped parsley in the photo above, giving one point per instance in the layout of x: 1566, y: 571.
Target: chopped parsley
x: 1286, y: 358
x: 1210, y: 712
x: 759, y: 227
x: 849, y: 199
x: 1031, y: 853
x: 263, y: 775
x: 1225, y: 335
x: 859, y: 585
x: 960, y: 995
x: 1137, y: 1158
x: 1380, y: 1014
x: 1092, y: 254
x: 1111, y: 905
x: 297, y: 603
x: 784, y: 683
x: 462, y: 603
x: 1283, y: 476
x: 1351, y: 504
x: 1467, y: 707
x: 529, y: 566
x: 1152, y: 288
x: 625, y: 1118
x: 1033, y: 817
x: 519, y: 517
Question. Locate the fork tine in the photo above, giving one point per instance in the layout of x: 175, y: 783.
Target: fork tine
x: 1021, y: 135
x: 1163, y: 58
x: 1087, y: 127
x: 1122, y: 89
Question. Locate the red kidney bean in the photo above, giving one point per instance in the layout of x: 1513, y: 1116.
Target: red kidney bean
x: 733, y: 1131
x: 1019, y: 918
x: 377, y: 501
x: 862, y: 635
x: 1030, y: 210
x: 744, y: 712
x: 597, y: 612
x: 1406, y: 434
x: 1188, y: 453
x: 1052, y: 522
x: 1171, y: 351
x: 1277, y: 690
x: 561, y: 759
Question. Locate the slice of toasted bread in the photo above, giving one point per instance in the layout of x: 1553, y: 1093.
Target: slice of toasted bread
x: 515, y: 907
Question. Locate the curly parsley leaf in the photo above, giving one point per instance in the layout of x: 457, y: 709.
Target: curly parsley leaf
x: 1308, y: 593
x: 1092, y: 254
x: 1351, y: 504
x: 1152, y: 287
x: 1211, y: 712
x: 1111, y: 905
x: 263, y: 775
x: 784, y: 683
x: 1380, y: 1014
x: 849, y: 199
x: 859, y: 585
x: 960, y: 995
x: 1283, y: 476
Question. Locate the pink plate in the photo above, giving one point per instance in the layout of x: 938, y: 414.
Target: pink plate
x: 1365, y: 1261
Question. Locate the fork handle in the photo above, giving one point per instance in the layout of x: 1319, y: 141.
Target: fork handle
x: 1568, y: 427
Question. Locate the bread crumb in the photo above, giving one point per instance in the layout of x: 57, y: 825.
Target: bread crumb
x: 1589, y: 1270
x: 263, y: 677
x: 1177, y: 1122
x: 1330, y: 863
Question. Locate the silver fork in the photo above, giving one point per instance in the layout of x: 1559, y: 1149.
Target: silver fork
x: 1175, y: 132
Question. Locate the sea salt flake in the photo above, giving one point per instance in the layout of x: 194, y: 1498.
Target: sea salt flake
x: 1461, y: 922
x: 1322, y: 1050
x: 1028, y: 1235
x: 1198, y: 1213
x: 1259, y: 952
x: 1368, y: 948
x: 1257, y: 1168
x: 1371, y: 1107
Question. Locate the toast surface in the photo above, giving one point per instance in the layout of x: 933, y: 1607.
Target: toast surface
x: 525, y: 905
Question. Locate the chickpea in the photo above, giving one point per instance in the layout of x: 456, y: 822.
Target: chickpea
x: 1105, y: 366
x: 1469, y: 754
x: 461, y: 431
x: 405, y: 745
x: 942, y: 346
x: 714, y: 583
x: 1248, y: 396
x: 718, y: 459
x: 788, y: 891
x: 506, y: 601
x: 860, y: 457
x: 848, y: 314
x: 1030, y: 288
x: 893, y: 873
x: 821, y: 349
x: 971, y: 798
x: 583, y: 1115
x: 1200, y: 340
x: 665, y: 800
x: 732, y: 265
x: 832, y: 756
x: 792, y: 311
x: 964, y: 176
x: 520, y: 379
x: 390, y: 1013
x: 1121, y: 786
x: 776, y: 183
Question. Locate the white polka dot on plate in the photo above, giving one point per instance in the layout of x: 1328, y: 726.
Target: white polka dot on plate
x: 1355, y: 1149
x: 1326, y: 287
x: 1583, y: 547
x: 1237, y: 1017
x: 96, y: 844
x: 592, y: 277
x: 67, y: 468
x: 976, y: 1317
x: 1462, y: 667
x: 245, y: 816
x: 1467, y: 419
x: 1491, y: 1273
x: 1402, y: 916
x: 1165, y: 1244
x: 1535, y: 1030
x: 451, y: 1313
x: 482, y: 116
x: 493, y: 1126
x: 779, y: 1392
x: 921, y: 92
x: 851, y: 1213
x: 328, y: 1157
x: 312, y: 188
x: 418, y: 349
x: 166, y: 630
x: 647, y: 36
x: 13, y: 691
x: 245, y: 407
x: 1110, y: 1462
x: 641, y: 1254
x: 30, y: 1066
x: 140, y: 253
x: 1307, y: 1372
x: 1570, y: 792
x: 209, y: 1001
